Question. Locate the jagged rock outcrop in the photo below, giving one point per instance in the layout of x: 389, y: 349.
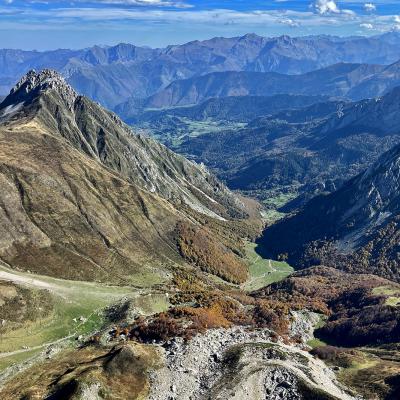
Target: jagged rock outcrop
x: 33, y: 84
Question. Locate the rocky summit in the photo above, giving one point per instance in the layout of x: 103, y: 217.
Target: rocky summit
x: 32, y: 84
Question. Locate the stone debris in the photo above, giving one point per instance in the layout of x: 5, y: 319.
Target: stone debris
x: 303, y: 324
x: 203, y: 368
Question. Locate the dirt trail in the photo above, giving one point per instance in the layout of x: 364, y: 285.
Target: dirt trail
x: 62, y: 287
x: 20, y: 279
x: 41, y: 346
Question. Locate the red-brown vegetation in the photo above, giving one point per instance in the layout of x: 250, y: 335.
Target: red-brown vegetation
x: 196, y: 245
x: 355, y: 315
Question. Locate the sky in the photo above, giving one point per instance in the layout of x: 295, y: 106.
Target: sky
x: 50, y: 24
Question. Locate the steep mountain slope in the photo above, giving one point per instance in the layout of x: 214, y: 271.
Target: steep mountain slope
x: 287, y: 149
x: 111, y: 75
x: 88, y: 199
x: 340, y: 80
x: 355, y: 228
x: 379, y: 83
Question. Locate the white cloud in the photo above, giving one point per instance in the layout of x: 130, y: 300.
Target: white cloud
x: 366, y: 25
x: 326, y: 7
x: 157, y: 3
x: 149, y: 3
x: 397, y: 22
x: 330, y: 7
x: 289, y: 22
x: 369, y: 7
x: 333, y: 19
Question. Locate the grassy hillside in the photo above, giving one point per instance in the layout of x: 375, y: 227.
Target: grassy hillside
x: 72, y: 309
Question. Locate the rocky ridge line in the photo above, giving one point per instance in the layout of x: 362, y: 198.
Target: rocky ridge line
x: 46, y: 79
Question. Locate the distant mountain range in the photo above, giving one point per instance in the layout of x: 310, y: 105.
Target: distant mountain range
x: 112, y: 75
x: 352, y: 81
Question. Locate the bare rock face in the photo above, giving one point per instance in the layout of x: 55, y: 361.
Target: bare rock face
x: 34, y: 83
x: 303, y: 324
x: 281, y: 384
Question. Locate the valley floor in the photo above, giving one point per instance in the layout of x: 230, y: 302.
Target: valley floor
x: 263, y: 271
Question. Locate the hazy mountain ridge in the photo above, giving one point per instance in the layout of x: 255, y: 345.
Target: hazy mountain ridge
x: 351, y: 81
x: 111, y: 75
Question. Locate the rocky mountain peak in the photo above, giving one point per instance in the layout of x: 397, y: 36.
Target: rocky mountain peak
x: 34, y: 83
x: 251, y: 37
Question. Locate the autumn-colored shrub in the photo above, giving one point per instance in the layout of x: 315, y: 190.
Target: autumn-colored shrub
x: 203, y: 318
x: 214, y: 311
x: 241, y: 297
x: 94, y: 339
x: 272, y: 315
x: 356, y: 316
x: 188, y: 282
x: 355, y: 313
x: 161, y: 328
x: 197, y: 245
x: 363, y: 325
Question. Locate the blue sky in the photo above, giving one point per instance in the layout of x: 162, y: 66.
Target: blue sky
x: 41, y: 24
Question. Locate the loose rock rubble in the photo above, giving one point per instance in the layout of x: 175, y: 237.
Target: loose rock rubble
x: 303, y: 324
x: 238, y: 363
